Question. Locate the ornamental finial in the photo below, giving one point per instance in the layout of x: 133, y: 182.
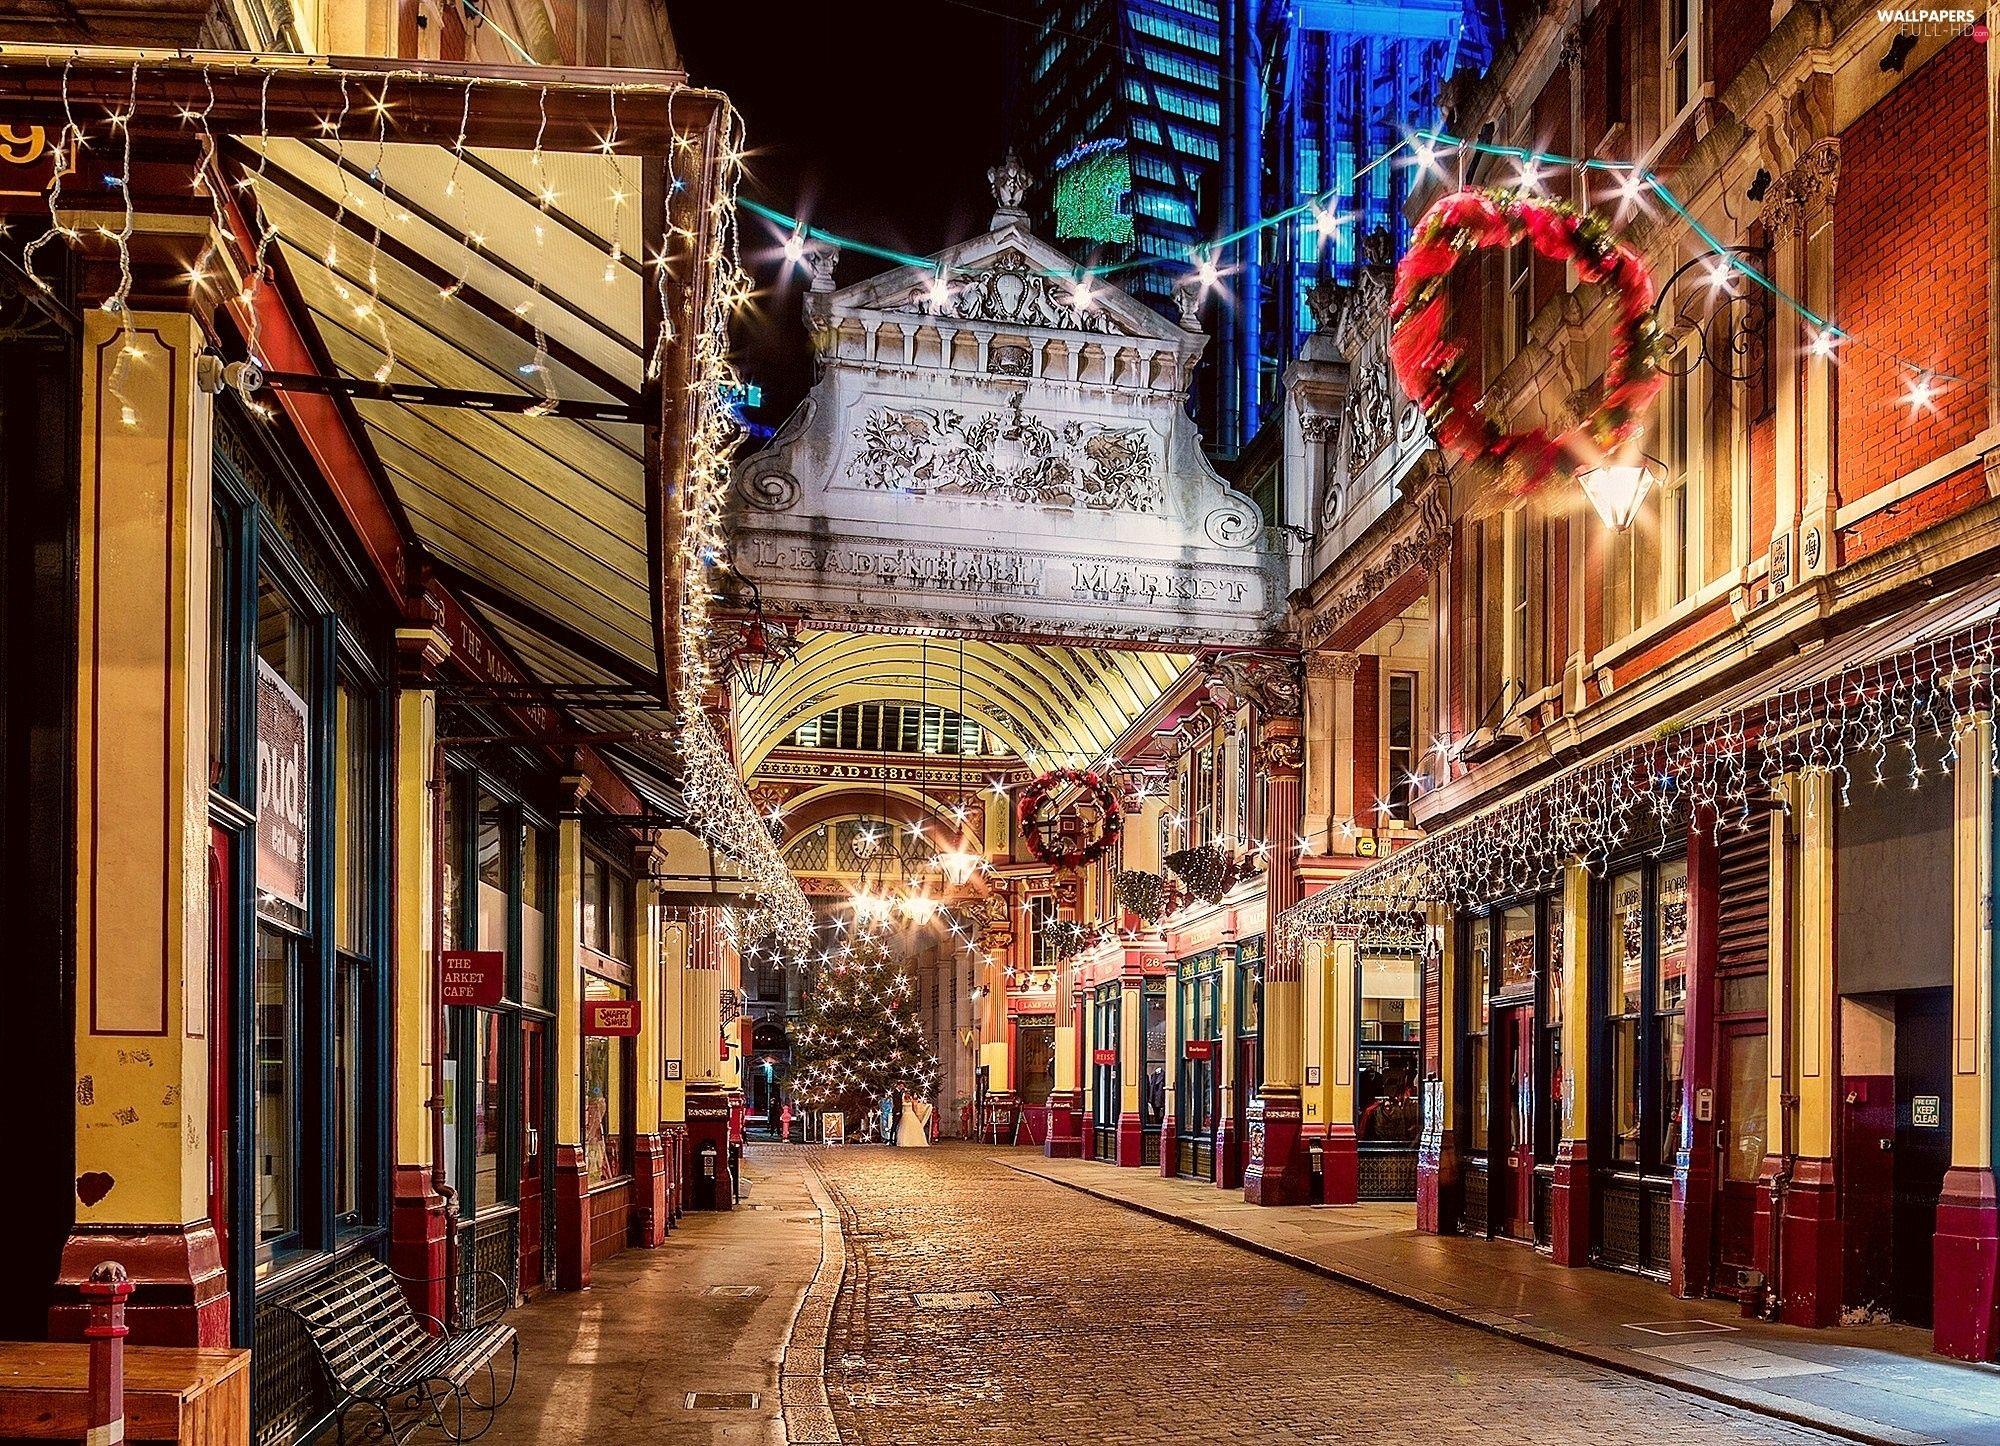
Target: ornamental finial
x: 1010, y: 181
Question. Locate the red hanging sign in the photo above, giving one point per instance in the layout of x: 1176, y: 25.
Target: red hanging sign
x: 1105, y: 1056
x: 611, y: 1016
x: 474, y: 976
x: 1199, y: 1049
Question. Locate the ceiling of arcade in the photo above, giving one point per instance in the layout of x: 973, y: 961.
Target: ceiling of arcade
x: 1050, y: 704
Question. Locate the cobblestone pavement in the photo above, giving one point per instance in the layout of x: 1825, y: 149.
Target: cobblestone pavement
x: 1104, y: 1326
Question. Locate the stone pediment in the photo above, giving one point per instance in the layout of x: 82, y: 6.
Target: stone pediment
x: 1008, y: 277
x: 990, y: 457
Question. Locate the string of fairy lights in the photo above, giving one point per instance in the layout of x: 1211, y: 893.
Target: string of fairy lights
x: 1891, y: 721
x: 1439, y: 155
x: 355, y: 139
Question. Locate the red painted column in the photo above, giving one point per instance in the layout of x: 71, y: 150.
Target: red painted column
x: 419, y: 1227
x: 649, y: 1190
x: 1965, y: 1267
x: 572, y: 1219
x: 1276, y: 1171
x: 1691, y: 1244
x: 1340, y: 1165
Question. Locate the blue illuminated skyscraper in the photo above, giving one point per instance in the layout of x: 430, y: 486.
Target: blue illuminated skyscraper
x: 1156, y: 126
x: 1341, y: 83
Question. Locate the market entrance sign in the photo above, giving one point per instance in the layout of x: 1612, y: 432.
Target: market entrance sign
x: 1002, y: 455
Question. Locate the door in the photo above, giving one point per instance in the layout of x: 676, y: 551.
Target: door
x: 534, y: 1044
x: 1740, y: 1138
x: 1923, y: 1142
x: 1513, y: 1125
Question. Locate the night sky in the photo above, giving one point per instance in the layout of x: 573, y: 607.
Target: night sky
x: 872, y: 118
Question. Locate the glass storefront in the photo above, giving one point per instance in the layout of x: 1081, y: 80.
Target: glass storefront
x: 1643, y: 971
x: 1388, y: 1113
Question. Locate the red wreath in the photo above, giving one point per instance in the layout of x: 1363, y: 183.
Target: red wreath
x: 1431, y: 365
x: 1036, y: 829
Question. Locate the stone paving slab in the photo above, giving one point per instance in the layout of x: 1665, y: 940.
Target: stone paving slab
x: 1875, y: 1384
x: 708, y: 1313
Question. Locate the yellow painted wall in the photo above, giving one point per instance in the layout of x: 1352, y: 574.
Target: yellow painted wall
x: 673, y: 1044
x: 568, y: 1026
x: 416, y: 735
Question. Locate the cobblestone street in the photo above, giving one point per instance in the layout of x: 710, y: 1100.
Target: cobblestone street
x: 984, y: 1305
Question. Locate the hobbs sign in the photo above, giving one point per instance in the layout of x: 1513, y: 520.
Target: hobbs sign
x: 282, y: 779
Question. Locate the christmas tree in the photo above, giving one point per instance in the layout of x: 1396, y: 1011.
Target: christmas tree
x: 858, y: 1043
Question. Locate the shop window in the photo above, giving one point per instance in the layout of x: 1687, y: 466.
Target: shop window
x: 1670, y: 927
x: 276, y: 1097
x: 1153, y: 1025
x: 1551, y: 1005
x: 1625, y: 996
x: 1645, y: 995
x: 606, y: 1072
x: 536, y: 884
x: 1387, y: 1110
x: 488, y: 1106
x: 607, y: 905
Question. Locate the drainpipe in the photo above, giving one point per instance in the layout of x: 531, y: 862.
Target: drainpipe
x: 439, y: 1183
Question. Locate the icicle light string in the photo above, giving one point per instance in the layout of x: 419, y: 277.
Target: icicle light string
x: 119, y: 302
x: 1709, y: 776
x: 72, y: 140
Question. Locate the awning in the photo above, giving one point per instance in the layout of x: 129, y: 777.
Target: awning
x: 1924, y: 669
x: 505, y: 286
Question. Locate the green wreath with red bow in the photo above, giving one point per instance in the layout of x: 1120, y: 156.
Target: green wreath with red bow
x: 1431, y: 365
x: 1040, y: 828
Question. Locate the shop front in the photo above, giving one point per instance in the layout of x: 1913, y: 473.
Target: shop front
x: 1198, y: 1077
x: 1106, y: 1094
x: 1247, y: 1058
x: 1388, y: 1054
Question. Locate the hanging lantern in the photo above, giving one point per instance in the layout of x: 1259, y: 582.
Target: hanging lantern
x: 1617, y: 491
x: 756, y: 659
x: 958, y: 865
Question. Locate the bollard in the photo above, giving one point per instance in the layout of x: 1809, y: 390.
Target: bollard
x: 106, y: 1291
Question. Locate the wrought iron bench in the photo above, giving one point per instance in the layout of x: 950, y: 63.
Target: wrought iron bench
x: 376, y: 1352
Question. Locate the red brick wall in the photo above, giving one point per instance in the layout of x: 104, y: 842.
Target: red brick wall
x: 1735, y: 29
x: 1910, y: 255
x: 1941, y: 500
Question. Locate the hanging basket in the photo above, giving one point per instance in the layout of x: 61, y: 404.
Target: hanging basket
x: 1208, y: 872
x: 1146, y: 894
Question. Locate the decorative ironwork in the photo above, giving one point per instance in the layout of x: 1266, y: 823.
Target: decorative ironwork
x: 1733, y: 336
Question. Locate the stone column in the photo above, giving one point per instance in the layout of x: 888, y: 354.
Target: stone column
x: 1569, y: 1185
x: 651, y: 1213
x: 1798, y: 1202
x: 572, y: 1180
x: 1965, y: 1254
x: 707, y: 1099
x: 1277, y: 1172
x: 142, y: 836
x: 419, y: 1220
x: 1338, y: 967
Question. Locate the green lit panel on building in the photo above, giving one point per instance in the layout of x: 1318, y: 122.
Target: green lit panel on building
x: 1093, y: 193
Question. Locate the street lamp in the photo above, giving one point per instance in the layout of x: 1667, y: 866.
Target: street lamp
x: 1617, y: 490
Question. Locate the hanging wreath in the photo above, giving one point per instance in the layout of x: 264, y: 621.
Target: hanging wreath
x: 1061, y: 840
x: 1431, y: 364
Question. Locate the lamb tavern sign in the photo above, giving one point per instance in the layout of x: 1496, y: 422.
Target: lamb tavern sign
x: 1001, y: 455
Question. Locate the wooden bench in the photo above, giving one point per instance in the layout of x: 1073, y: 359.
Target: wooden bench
x: 201, y: 1397
x: 377, y: 1353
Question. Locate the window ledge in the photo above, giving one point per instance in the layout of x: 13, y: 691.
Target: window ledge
x: 1690, y: 607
